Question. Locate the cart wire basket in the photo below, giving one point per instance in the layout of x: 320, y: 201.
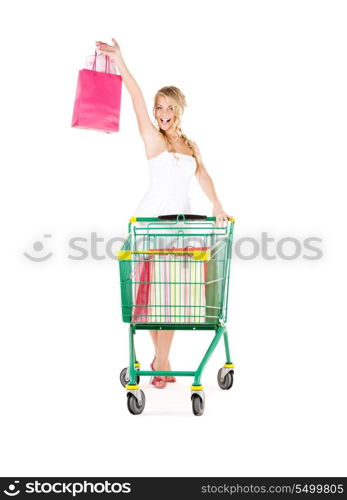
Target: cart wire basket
x: 174, y: 274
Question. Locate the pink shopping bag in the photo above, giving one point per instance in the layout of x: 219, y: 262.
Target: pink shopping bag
x: 98, y: 99
x: 142, y: 277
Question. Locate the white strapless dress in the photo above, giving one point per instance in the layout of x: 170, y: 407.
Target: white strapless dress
x: 169, y: 183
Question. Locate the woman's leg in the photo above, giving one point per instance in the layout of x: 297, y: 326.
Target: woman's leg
x: 164, y: 339
x: 170, y: 378
x: 154, y: 335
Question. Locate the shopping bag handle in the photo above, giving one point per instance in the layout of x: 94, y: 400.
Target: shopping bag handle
x: 185, y: 216
x: 107, y: 63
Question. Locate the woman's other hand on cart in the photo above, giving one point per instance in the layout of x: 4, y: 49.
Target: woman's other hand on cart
x: 220, y: 213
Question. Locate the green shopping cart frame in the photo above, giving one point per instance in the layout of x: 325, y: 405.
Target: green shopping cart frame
x: 169, y: 284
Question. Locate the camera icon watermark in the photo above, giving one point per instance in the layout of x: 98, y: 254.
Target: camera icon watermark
x: 12, y: 489
x: 38, y: 247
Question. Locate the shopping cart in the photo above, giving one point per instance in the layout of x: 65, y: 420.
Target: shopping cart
x: 174, y: 275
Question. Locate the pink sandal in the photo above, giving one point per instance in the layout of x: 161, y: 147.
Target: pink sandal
x: 169, y: 378
x: 158, y: 382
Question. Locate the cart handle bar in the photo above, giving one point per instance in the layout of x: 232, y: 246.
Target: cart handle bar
x: 197, y: 254
x: 157, y: 219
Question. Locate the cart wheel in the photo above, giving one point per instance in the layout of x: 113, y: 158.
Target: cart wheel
x: 124, y: 379
x: 198, y: 405
x: 133, y: 404
x: 228, y: 380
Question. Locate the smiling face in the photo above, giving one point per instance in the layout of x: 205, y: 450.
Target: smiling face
x: 164, y: 112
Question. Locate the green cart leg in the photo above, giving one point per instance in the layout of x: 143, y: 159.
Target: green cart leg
x: 135, y: 396
x: 226, y: 344
x: 207, y: 356
x: 132, y: 357
x: 197, y: 393
x: 125, y: 377
x: 225, y: 376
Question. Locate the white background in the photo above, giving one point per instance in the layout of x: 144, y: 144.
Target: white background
x: 265, y: 83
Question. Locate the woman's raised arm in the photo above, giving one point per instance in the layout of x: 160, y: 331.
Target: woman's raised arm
x: 144, y: 122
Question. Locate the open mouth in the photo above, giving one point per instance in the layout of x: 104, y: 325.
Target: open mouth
x: 165, y: 120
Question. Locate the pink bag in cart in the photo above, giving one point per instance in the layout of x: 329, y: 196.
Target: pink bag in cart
x: 143, y: 276
x: 98, y: 99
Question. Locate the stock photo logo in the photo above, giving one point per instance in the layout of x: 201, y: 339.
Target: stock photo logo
x: 286, y: 248
x: 13, y: 490
x: 38, y: 247
x: 265, y: 247
x: 71, y: 488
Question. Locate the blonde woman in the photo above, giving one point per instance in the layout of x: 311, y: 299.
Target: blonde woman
x: 173, y: 159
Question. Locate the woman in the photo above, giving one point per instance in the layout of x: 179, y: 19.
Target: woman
x: 173, y: 159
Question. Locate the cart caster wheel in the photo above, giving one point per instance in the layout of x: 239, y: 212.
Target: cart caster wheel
x: 198, y: 405
x: 227, y: 382
x: 124, y: 378
x: 134, y: 406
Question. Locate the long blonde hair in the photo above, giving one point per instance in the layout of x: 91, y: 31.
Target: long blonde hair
x: 178, y: 99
